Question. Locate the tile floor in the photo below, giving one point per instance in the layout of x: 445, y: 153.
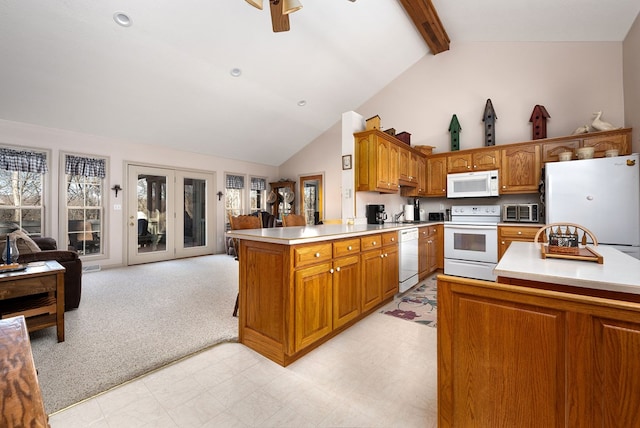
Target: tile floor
x: 381, y: 372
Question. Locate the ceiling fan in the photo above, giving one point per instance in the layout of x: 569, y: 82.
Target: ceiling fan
x: 280, y: 10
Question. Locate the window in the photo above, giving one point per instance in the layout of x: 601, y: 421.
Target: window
x: 258, y: 195
x: 84, y: 180
x: 234, y: 194
x: 22, y: 190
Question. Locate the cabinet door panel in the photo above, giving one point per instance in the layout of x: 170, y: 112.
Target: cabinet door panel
x: 550, y: 151
x: 371, y: 284
x: 312, y: 296
x: 459, y: 162
x: 604, y: 143
x: 520, y: 172
x: 390, y: 271
x: 437, y: 176
x: 525, y: 345
x: 487, y: 159
x: 346, y: 290
x: 617, y: 347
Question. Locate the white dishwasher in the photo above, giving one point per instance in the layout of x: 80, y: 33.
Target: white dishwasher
x: 408, y: 239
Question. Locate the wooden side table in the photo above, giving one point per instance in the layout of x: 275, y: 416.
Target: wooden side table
x: 22, y: 404
x: 37, y: 293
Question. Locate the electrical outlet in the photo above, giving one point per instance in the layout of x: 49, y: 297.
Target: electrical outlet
x: 117, y: 207
x: 441, y: 206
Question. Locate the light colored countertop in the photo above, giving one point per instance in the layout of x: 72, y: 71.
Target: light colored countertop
x: 306, y: 234
x: 619, y: 272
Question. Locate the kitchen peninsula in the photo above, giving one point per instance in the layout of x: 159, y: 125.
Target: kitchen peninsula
x: 552, y: 343
x: 300, y: 286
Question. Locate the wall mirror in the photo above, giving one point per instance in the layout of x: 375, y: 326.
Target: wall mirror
x: 311, y: 198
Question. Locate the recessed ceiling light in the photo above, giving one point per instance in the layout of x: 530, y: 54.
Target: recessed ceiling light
x: 302, y: 103
x: 235, y: 72
x: 122, y: 19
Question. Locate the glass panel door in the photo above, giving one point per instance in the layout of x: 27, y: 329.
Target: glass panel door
x: 195, y: 226
x: 168, y: 214
x: 150, y: 228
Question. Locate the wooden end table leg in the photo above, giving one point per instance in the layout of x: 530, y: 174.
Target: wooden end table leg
x: 60, y: 306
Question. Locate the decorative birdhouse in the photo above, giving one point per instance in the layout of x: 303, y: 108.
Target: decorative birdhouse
x: 454, y: 129
x: 489, y: 120
x: 373, y: 123
x: 539, y: 120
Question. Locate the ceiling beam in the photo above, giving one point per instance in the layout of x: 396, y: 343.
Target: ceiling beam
x: 426, y: 20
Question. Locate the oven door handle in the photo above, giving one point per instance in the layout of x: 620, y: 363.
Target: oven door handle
x: 471, y: 227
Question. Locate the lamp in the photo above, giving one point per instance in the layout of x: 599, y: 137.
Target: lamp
x: 290, y: 6
x: 255, y: 3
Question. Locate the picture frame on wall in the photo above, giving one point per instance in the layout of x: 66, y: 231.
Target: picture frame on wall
x: 346, y: 162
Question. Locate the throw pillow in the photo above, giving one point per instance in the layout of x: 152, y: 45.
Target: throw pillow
x: 24, y: 242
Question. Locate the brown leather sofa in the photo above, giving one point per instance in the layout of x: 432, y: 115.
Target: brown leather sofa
x: 69, y: 259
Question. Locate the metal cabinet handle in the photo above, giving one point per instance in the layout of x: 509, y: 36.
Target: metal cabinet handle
x: 373, y: 243
x: 330, y: 270
x: 338, y: 269
x: 349, y: 248
x: 519, y: 233
x: 317, y: 254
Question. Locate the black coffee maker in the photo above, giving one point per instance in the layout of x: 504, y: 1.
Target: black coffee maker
x: 376, y: 214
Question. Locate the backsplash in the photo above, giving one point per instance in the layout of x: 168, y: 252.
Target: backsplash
x: 393, y: 203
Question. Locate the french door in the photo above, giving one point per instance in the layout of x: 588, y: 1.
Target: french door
x: 169, y: 215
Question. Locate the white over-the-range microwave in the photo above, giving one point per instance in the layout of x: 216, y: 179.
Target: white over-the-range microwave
x: 475, y: 184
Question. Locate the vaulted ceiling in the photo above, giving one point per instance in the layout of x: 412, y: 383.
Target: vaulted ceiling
x: 167, y: 78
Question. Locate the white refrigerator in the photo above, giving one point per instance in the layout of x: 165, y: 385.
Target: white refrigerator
x: 601, y: 194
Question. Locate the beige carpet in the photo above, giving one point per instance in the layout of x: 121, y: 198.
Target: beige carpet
x: 133, y: 320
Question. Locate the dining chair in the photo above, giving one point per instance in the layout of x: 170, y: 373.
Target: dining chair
x: 294, y: 220
x: 237, y: 223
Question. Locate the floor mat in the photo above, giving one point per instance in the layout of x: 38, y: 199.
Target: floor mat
x: 419, y: 304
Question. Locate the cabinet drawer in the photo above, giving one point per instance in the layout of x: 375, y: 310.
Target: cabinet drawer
x: 427, y: 232
x: 305, y: 255
x: 27, y: 286
x: 518, y: 232
x: 346, y: 247
x: 370, y: 242
x: 390, y: 238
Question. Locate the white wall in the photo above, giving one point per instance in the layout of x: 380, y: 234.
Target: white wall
x: 572, y: 80
x: 119, y: 152
x: 631, y: 49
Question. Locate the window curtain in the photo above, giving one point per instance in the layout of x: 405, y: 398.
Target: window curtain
x: 235, y: 181
x: 86, y: 167
x: 23, y: 161
x: 258, y: 183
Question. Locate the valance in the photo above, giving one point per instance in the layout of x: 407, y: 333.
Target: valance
x: 258, y: 183
x: 87, y: 167
x: 235, y: 181
x: 23, y: 161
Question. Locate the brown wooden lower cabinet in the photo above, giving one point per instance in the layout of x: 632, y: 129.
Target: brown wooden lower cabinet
x: 295, y: 297
x: 512, y: 356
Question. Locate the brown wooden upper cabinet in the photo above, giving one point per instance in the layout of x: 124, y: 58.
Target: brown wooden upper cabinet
x: 520, y: 169
x: 377, y: 161
x: 385, y: 164
x: 437, y: 175
x: 620, y: 140
x: 473, y: 160
x: 408, y: 169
